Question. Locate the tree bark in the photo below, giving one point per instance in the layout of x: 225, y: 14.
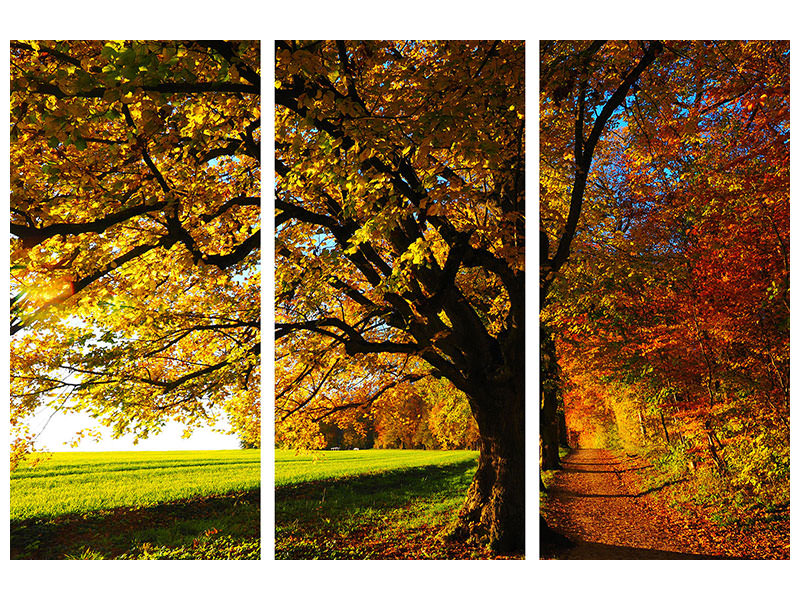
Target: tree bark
x: 642, y: 427
x: 494, y: 511
x: 664, y: 425
x: 548, y: 415
x: 563, y: 438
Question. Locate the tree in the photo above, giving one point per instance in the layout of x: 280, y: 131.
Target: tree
x: 450, y: 419
x: 580, y: 94
x: 400, y: 242
x: 135, y: 232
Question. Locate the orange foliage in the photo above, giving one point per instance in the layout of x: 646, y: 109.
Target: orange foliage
x: 672, y: 312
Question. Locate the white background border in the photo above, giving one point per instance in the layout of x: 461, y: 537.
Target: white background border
x: 409, y: 580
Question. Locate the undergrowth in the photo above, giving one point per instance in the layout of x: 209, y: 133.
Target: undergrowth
x: 741, y: 494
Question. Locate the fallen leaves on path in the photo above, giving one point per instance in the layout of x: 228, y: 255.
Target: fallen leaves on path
x: 602, y: 502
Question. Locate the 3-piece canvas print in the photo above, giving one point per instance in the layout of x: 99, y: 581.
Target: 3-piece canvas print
x: 407, y: 383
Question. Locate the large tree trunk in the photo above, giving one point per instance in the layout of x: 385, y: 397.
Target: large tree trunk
x: 494, y: 511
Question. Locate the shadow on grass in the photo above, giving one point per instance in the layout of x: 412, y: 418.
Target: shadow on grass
x: 387, y: 488
x: 133, y: 531
x: 391, y: 514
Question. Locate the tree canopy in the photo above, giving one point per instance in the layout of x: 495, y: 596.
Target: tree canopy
x: 135, y: 201
x: 400, y: 242
x: 666, y: 285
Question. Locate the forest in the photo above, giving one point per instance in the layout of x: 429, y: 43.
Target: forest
x: 664, y: 261
x: 429, y: 415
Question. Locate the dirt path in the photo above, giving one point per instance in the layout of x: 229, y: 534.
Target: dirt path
x: 597, y: 502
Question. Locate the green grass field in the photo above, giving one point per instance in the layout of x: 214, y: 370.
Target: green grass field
x: 371, y: 504
x: 197, y: 504
x: 291, y: 467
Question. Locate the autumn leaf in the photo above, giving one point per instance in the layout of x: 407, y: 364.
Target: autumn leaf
x: 123, y: 304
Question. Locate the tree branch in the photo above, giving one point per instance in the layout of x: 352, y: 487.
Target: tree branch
x: 584, y: 162
x: 163, y: 88
x: 31, y: 236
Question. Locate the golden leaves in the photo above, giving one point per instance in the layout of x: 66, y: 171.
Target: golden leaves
x: 386, y: 156
x: 102, y: 193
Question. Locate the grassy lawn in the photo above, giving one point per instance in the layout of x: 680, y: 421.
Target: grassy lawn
x: 371, y: 504
x: 291, y: 467
x: 199, y: 504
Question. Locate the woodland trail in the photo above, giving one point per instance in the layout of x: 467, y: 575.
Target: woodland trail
x: 597, y: 502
